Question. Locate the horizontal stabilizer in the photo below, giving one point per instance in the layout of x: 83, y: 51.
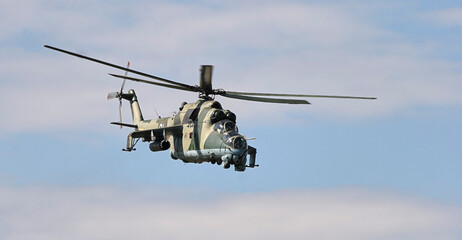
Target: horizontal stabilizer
x: 124, y: 124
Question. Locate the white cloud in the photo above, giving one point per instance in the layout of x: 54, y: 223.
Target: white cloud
x: 283, y: 46
x: 146, y: 213
x: 450, y: 17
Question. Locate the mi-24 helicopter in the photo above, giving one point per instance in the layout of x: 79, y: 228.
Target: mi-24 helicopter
x: 201, y: 131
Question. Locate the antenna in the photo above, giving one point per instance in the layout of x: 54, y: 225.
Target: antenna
x: 156, y: 113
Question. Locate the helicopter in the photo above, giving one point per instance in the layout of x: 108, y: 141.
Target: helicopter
x: 201, y: 131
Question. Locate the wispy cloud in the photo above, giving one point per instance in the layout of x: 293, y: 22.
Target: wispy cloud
x: 282, y: 46
x: 449, y: 17
x: 109, y: 213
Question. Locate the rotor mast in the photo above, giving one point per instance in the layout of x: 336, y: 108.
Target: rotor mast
x: 206, y: 80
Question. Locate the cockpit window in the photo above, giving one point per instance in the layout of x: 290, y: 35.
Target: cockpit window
x: 239, y: 143
x: 234, y: 140
x: 225, y: 126
x: 230, y: 127
x: 229, y: 132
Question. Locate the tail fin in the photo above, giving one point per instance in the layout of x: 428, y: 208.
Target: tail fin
x: 137, y: 116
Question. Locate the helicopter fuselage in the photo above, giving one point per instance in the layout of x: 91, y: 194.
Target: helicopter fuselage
x: 200, y: 132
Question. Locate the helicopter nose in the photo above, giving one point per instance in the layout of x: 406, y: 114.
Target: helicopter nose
x: 239, y: 142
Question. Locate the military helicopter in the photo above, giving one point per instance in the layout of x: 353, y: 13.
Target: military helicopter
x: 201, y: 131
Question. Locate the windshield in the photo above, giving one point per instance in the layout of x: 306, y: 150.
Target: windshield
x: 239, y: 143
x: 235, y: 140
x: 229, y: 132
x: 230, y: 127
x: 225, y: 126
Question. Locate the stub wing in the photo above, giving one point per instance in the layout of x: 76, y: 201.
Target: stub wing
x: 157, y: 135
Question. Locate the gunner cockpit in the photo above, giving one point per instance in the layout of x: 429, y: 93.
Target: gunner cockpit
x: 229, y: 131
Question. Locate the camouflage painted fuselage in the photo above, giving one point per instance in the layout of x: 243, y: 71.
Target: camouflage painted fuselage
x: 199, y: 132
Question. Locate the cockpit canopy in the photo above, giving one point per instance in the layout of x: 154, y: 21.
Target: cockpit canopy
x: 225, y: 126
x: 238, y: 142
x: 229, y: 131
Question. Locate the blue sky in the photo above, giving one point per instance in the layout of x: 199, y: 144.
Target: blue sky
x: 332, y: 164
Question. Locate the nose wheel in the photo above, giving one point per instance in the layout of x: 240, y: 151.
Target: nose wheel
x: 226, y: 165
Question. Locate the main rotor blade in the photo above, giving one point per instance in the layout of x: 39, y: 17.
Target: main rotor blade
x: 119, y: 67
x: 268, y: 100
x: 123, y: 83
x: 125, y: 124
x: 156, y: 83
x: 296, y: 95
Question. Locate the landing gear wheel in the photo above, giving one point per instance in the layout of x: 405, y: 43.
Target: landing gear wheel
x: 227, y: 165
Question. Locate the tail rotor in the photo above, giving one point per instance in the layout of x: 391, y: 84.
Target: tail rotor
x: 118, y: 95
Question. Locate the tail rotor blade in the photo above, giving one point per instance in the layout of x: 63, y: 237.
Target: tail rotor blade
x: 112, y: 95
x: 120, y: 111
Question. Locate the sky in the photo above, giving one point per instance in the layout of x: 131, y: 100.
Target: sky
x: 336, y: 169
